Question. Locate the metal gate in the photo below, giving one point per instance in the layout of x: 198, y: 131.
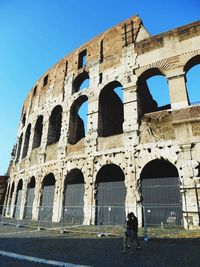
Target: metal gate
x: 46, y: 207
x: 29, y: 203
x: 162, y: 201
x: 74, y: 203
x: 18, y: 204
x: 110, y: 203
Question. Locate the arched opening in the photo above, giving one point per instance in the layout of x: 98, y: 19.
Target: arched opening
x: 29, y: 199
x: 55, y: 123
x: 73, y: 202
x: 26, y: 141
x: 38, y: 132
x: 82, y: 81
x: 18, y: 199
x: 78, y: 120
x: 19, y: 148
x: 110, y: 195
x: 153, y: 92
x: 192, y: 78
x: 160, y: 192
x: 111, y: 112
x: 23, y: 119
x: 47, y: 198
x: 10, y: 198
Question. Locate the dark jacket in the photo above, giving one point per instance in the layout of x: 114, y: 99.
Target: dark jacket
x: 132, y: 224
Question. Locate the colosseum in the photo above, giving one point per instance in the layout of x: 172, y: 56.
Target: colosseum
x: 93, y: 143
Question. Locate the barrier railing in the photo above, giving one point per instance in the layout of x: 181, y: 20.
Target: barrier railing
x: 157, y: 220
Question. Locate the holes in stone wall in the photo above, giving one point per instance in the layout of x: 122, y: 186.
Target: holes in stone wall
x: 82, y: 59
x: 111, y: 113
x: 45, y: 80
x: 38, y: 132
x: 26, y: 141
x: 101, y: 52
x: 78, y: 120
x: 55, y: 123
x: 192, y: 78
x: 35, y: 90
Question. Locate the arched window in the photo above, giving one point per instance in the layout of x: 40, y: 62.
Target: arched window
x: 82, y: 81
x: 10, y: 197
x: 111, y: 112
x: 78, y: 120
x: 153, y: 92
x: 55, y: 123
x: 160, y: 192
x: 192, y: 77
x: 73, y: 202
x: 19, y: 148
x: 26, y: 141
x: 110, y: 195
x: 38, y: 132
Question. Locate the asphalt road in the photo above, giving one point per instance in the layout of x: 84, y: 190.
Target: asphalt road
x: 99, y: 252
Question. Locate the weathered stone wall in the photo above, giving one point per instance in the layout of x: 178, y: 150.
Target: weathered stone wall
x: 123, y: 54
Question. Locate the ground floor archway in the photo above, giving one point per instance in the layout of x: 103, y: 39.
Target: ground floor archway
x: 110, y: 195
x: 73, y: 204
x: 29, y: 199
x: 160, y: 191
x: 47, y: 198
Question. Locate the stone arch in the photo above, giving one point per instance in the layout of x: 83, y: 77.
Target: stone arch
x: 47, y: 197
x: 160, y: 193
x: 38, y: 132
x: 77, y: 125
x: 55, y: 123
x: 26, y: 141
x: 73, y: 197
x: 111, y: 111
x: 18, y: 198
x: 110, y: 195
x: 29, y: 198
x: 192, y: 70
x: 81, y: 82
x: 146, y: 97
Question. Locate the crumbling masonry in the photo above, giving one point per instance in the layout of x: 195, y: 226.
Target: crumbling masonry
x: 99, y: 174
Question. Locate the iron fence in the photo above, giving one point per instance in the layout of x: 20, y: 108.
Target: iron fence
x: 154, y: 220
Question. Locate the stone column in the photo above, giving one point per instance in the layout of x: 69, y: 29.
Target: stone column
x: 130, y: 125
x: 177, y: 88
x: 57, y: 203
x: 36, y: 202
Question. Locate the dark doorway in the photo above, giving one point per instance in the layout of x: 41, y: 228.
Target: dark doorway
x: 18, y: 199
x: 161, y: 197
x: 74, y: 197
x: 47, y: 198
x: 30, y: 199
x: 110, y: 197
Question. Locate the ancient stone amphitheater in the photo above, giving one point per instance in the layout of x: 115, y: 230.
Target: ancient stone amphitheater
x: 93, y: 144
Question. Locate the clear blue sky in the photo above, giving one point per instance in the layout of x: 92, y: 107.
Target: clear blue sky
x: 35, y: 34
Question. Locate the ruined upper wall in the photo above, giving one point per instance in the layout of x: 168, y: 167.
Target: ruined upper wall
x: 179, y: 34
x: 108, y: 45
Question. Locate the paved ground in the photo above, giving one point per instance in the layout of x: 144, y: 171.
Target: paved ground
x: 98, y: 252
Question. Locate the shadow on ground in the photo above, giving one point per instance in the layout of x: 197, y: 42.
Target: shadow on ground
x: 106, y: 251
